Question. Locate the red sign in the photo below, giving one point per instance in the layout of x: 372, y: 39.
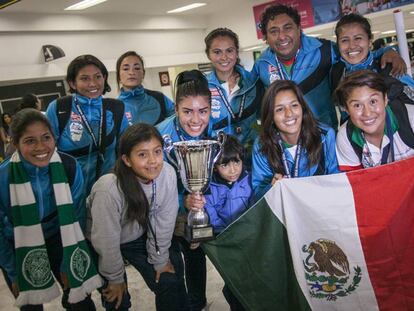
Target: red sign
x: 304, y: 8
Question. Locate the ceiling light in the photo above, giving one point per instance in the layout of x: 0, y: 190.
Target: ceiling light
x: 388, y: 32
x: 187, y: 7
x: 314, y: 35
x: 412, y: 12
x: 256, y: 47
x: 376, y: 31
x: 83, y: 5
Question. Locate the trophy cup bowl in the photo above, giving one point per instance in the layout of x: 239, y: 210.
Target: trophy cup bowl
x: 195, y: 161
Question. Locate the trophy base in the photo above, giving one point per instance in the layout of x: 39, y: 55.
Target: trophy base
x: 198, y: 234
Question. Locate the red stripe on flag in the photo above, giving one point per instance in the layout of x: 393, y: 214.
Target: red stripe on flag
x: 384, y: 202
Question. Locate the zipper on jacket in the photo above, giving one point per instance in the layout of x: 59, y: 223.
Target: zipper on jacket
x: 40, y: 195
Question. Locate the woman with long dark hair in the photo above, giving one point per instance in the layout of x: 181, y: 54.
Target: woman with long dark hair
x: 291, y: 143
x: 132, y: 215
x: 190, y: 122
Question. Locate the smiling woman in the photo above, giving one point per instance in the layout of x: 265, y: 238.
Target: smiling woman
x: 43, y: 185
x: 86, y: 125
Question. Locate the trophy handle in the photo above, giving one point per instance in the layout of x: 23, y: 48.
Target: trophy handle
x: 221, y: 139
x: 168, y: 146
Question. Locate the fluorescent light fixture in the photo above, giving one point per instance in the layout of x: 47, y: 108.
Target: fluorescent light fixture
x: 388, y: 32
x: 409, y: 30
x: 376, y: 31
x: 187, y: 7
x: 315, y: 35
x: 83, y: 5
x: 256, y: 47
x: 412, y: 12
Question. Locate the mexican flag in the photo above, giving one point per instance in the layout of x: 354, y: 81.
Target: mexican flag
x: 337, y: 242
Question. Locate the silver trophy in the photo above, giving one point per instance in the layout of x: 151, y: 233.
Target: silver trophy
x: 195, y: 161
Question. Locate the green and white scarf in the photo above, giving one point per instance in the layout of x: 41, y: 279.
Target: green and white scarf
x: 35, y: 279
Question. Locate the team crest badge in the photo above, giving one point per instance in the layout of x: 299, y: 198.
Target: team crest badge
x: 274, y: 73
x: 327, y: 271
x: 36, y: 269
x: 79, y: 264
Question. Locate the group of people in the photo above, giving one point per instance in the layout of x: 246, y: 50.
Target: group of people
x: 89, y: 186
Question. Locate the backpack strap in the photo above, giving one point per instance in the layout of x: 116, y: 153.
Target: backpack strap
x: 324, y: 66
x: 63, y: 110
x: 321, y: 165
x: 336, y: 74
x: 69, y: 164
x: 404, y: 127
x: 160, y: 99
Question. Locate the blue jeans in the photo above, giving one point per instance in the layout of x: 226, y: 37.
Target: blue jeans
x: 195, y: 274
x: 170, y: 293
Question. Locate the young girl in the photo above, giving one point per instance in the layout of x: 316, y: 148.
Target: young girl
x: 292, y: 143
x: 141, y: 105
x: 132, y: 215
x: 191, y: 122
x: 85, y: 125
x: 42, y: 212
x: 377, y: 131
x: 236, y: 97
x: 230, y: 188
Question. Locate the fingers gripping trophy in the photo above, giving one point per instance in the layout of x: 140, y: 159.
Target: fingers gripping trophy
x: 195, y: 161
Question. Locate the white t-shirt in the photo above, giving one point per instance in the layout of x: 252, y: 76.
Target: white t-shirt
x: 347, y: 158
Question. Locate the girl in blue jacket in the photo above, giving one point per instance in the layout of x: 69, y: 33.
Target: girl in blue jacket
x: 291, y: 143
x: 91, y: 129
x: 190, y: 122
x: 235, y: 96
x: 230, y: 188
x: 141, y: 105
x: 42, y: 194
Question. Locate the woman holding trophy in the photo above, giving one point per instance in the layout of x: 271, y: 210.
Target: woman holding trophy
x: 190, y: 122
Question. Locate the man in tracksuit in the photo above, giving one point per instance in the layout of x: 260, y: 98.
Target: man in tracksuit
x: 292, y: 55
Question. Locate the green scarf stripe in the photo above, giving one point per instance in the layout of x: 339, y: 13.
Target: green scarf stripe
x: 82, y: 274
x: 25, y: 215
x: 17, y: 173
x: 66, y: 216
x: 58, y: 174
x: 34, y: 276
x: 356, y: 132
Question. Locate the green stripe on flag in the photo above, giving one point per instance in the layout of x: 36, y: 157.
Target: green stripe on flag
x: 254, y: 259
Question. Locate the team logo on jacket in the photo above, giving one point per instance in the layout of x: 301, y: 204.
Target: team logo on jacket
x: 327, y: 271
x: 214, y: 92
x: 75, y: 127
x: 274, y: 74
x: 215, y: 108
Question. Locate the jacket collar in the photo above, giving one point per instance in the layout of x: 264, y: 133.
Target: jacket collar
x: 138, y: 91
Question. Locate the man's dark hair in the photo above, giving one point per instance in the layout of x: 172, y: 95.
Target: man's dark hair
x: 272, y: 11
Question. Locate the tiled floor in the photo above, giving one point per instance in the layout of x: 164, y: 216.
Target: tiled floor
x: 142, y: 297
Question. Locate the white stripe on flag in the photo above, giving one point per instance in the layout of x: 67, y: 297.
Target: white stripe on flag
x: 322, y: 207
x: 21, y: 194
x: 71, y: 234
x: 27, y: 236
x: 63, y: 194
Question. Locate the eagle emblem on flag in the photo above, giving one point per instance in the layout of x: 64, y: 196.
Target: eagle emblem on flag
x: 327, y: 270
